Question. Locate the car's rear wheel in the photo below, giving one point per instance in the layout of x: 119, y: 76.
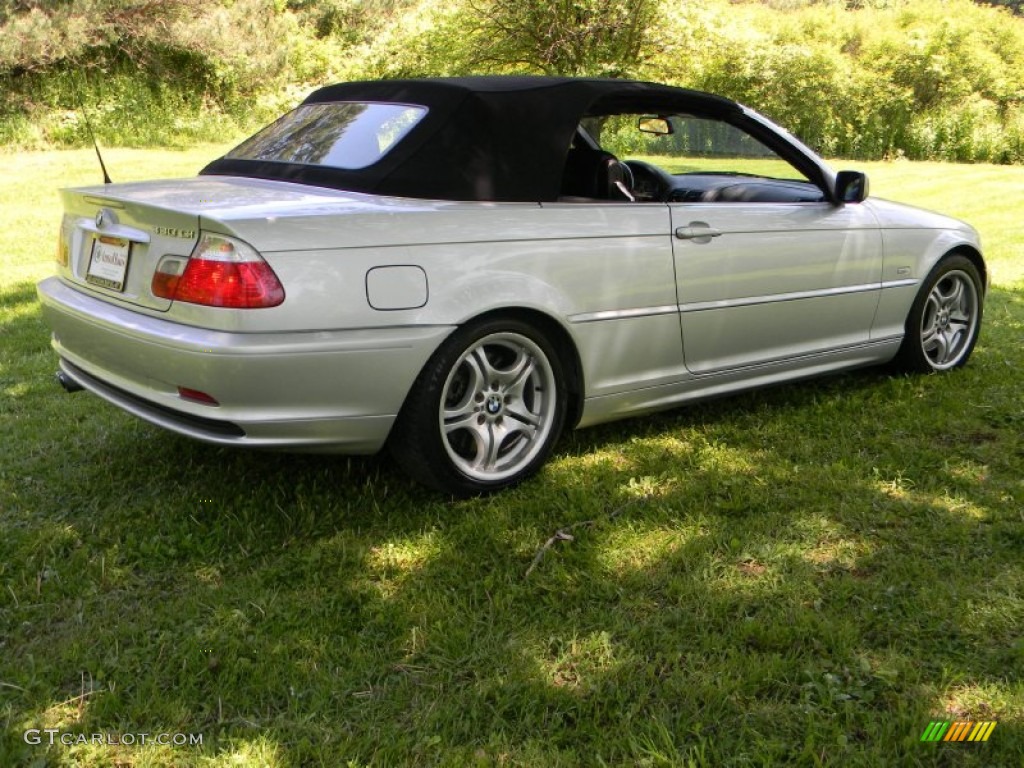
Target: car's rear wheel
x: 485, y: 411
x: 944, y: 321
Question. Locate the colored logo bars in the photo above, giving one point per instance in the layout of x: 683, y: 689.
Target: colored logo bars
x: 944, y: 730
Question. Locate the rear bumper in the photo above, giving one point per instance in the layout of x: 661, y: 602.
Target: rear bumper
x: 331, y: 391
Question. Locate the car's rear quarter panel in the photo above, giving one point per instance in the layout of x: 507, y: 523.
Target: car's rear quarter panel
x: 570, y: 263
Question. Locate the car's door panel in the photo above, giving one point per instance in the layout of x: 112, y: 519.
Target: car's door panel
x: 759, y: 282
x: 617, y: 262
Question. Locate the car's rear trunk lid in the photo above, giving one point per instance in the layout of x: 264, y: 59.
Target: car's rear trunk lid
x: 114, y: 236
x: 112, y: 242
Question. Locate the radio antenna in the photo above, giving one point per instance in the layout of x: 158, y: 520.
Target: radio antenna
x: 88, y: 127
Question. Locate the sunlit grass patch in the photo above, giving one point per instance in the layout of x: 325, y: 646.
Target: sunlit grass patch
x: 391, y: 564
x: 569, y: 663
x: 980, y: 702
x: 633, y: 548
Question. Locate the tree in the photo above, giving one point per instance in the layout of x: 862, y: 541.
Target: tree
x: 40, y: 35
x: 565, y: 37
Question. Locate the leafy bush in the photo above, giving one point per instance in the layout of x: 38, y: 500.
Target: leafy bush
x: 150, y: 71
x: 429, y: 38
x: 929, y: 79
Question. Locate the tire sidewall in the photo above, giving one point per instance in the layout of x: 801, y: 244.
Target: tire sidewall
x: 417, y: 442
x: 912, y: 356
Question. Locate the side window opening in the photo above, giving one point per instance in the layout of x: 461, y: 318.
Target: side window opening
x: 690, y: 158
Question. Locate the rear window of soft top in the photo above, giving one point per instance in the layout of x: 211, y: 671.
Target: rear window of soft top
x: 347, y: 135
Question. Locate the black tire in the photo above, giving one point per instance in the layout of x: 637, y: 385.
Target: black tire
x: 945, y: 319
x: 485, y: 411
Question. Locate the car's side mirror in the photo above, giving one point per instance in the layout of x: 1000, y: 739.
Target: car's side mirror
x: 851, y: 187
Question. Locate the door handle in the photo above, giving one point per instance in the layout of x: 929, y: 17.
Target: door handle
x: 697, y: 231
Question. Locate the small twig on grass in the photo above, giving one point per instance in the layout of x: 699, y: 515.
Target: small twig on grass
x: 79, y: 700
x: 562, y: 534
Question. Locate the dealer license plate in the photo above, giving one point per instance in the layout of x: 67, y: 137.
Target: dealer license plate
x: 108, y: 263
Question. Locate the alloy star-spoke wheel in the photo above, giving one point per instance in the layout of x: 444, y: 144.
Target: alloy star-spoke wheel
x: 944, y: 321
x: 498, y: 407
x: 949, y: 321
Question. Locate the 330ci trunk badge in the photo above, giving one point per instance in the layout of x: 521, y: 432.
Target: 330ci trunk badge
x: 188, y: 234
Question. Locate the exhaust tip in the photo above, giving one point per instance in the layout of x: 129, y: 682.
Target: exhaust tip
x: 69, y: 384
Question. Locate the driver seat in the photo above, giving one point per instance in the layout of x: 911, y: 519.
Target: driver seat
x: 594, y: 173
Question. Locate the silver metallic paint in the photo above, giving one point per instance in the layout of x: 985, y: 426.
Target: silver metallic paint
x: 787, y: 291
x: 280, y: 388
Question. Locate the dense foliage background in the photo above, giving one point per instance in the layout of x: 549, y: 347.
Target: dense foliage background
x: 925, y: 79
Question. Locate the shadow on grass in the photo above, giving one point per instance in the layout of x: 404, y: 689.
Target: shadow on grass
x: 810, y: 576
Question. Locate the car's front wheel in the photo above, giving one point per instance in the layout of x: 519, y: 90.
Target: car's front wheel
x: 944, y: 321
x: 485, y: 411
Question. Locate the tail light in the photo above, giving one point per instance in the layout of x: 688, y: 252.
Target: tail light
x: 221, y: 272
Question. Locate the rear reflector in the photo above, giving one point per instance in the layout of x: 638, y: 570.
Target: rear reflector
x: 62, y: 251
x: 221, y: 272
x: 196, y: 396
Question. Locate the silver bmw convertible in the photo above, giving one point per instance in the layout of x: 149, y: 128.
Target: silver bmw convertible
x: 459, y: 269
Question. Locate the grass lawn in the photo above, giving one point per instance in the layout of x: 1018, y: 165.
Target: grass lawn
x: 807, y: 575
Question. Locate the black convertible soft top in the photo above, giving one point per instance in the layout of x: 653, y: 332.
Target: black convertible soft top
x: 499, y: 138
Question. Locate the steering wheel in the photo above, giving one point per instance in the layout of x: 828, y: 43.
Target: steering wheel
x: 627, y: 175
x: 649, y: 181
